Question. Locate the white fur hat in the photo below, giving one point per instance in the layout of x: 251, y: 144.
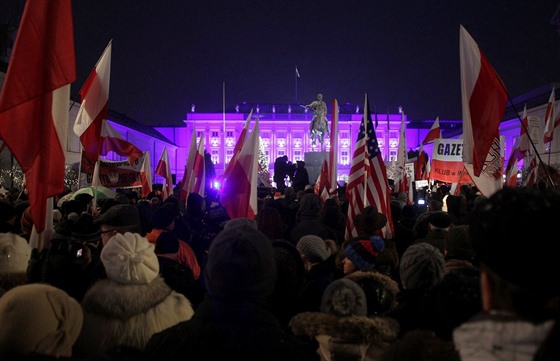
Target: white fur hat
x: 130, y: 259
x: 14, y: 253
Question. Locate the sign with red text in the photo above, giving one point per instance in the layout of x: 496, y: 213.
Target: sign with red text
x: 447, y: 160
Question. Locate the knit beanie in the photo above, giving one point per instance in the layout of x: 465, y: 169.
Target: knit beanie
x: 14, y: 254
x: 344, y: 297
x: 130, y: 259
x: 167, y: 243
x: 120, y: 215
x: 421, y: 267
x: 314, y: 248
x: 240, y: 263
x: 162, y: 217
x: 84, y: 230
x: 38, y: 319
x: 363, y: 253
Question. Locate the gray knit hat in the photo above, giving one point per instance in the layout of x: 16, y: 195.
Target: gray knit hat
x: 314, y: 248
x: 421, y: 267
x: 344, y: 297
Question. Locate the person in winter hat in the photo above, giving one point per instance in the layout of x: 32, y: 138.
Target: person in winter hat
x: 362, y: 254
x: 342, y: 328
x: 15, y: 253
x: 422, y: 267
x: 234, y: 321
x: 38, y: 320
x: 318, y: 257
x: 119, y: 218
x: 133, y: 303
x: 510, y: 233
x: 163, y: 220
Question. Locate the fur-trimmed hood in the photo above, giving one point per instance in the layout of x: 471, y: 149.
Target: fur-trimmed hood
x: 356, y: 328
x: 381, y: 290
x: 123, y: 301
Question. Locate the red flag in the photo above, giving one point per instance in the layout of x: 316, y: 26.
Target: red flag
x: 197, y: 175
x: 367, y: 181
x: 188, y: 166
x: 484, y: 100
x: 523, y: 136
x: 146, y: 175
x: 239, y: 193
x: 163, y: 170
x: 420, y: 164
x: 238, y: 146
x: 95, y: 106
x: 333, y: 152
x: 434, y: 133
x: 111, y: 140
x: 549, y: 122
x: 511, y: 168
x: 401, y: 184
x: 323, y: 186
x: 35, y: 100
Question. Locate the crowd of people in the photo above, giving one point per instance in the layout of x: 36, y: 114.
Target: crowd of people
x: 466, y: 278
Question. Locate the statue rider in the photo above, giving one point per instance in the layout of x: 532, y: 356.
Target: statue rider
x: 319, y: 124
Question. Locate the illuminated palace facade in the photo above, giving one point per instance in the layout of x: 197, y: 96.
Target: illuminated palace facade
x: 284, y: 130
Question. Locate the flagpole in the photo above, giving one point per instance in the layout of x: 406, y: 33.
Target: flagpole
x: 534, y: 147
x: 365, y: 120
x: 296, y: 75
x: 223, y: 126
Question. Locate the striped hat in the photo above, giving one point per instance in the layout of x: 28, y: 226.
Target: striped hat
x: 364, y: 252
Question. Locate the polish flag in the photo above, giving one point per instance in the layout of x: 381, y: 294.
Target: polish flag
x: 95, y: 106
x: 146, y: 175
x: 196, y: 180
x: 163, y: 170
x: 238, y: 146
x: 111, y: 140
x: 523, y: 136
x: 35, y: 99
x: 484, y: 99
x: 434, y: 133
x: 511, y: 168
x: 184, y: 193
x: 401, y: 179
x: 549, y: 122
x: 239, y: 193
x: 322, y: 185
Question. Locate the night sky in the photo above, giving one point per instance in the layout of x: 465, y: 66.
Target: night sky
x: 170, y: 54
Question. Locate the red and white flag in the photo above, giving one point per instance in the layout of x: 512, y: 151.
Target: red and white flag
x: 196, y: 179
x: 550, y: 123
x: 367, y: 181
x: 333, y: 152
x: 322, y: 185
x: 238, y: 146
x: 484, y: 99
x: 523, y: 135
x: 163, y: 169
x: 146, y: 175
x: 511, y: 168
x: 401, y: 181
x: 239, y: 192
x: 184, y: 193
x: 434, y: 133
x: 95, y: 106
x: 421, y: 164
x: 35, y: 100
x: 111, y: 141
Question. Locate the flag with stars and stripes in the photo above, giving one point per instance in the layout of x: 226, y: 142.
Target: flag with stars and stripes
x: 367, y: 182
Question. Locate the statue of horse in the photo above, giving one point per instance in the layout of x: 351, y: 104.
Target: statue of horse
x: 319, y: 125
x: 317, y: 129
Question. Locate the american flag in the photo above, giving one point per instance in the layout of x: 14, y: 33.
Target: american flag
x: 367, y: 182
